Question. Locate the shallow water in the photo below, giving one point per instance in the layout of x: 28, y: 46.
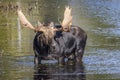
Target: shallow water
x: 99, y: 18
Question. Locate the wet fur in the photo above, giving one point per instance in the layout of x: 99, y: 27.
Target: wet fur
x: 63, y: 45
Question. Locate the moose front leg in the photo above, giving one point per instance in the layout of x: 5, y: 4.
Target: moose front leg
x: 61, y: 60
x: 37, y: 60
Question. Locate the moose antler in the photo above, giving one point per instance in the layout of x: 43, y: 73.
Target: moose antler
x: 24, y: 20
x: 67, y: 21
x: 27, y: 24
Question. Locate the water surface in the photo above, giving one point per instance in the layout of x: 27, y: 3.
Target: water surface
x: 99, y: 18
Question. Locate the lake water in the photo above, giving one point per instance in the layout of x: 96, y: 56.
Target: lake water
x: 99, y: 18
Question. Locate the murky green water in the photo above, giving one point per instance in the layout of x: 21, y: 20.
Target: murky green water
x: 99, y: 18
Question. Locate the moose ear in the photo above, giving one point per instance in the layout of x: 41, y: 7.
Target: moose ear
x: 39, y: 23
x: 51, y: 24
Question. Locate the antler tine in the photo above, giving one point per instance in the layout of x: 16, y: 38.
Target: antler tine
x: 24, y: 20
x: 67, y: 21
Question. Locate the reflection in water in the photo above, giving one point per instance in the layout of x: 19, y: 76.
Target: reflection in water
x: 54, y: 72
x: 19, y: 34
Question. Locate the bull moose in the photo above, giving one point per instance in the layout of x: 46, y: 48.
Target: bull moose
x: 57, y: 41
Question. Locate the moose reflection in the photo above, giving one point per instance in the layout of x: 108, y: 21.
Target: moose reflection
x: 53, y: 72
x: 57, y: 41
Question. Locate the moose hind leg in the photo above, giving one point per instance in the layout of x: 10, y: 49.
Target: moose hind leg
x: 79, y: 55
x: 80, y: 51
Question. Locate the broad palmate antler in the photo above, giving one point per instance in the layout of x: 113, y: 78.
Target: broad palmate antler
x: 24, y: 21
x: 67, y: 21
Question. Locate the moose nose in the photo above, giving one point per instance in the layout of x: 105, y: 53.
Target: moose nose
x: 53, y: 46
